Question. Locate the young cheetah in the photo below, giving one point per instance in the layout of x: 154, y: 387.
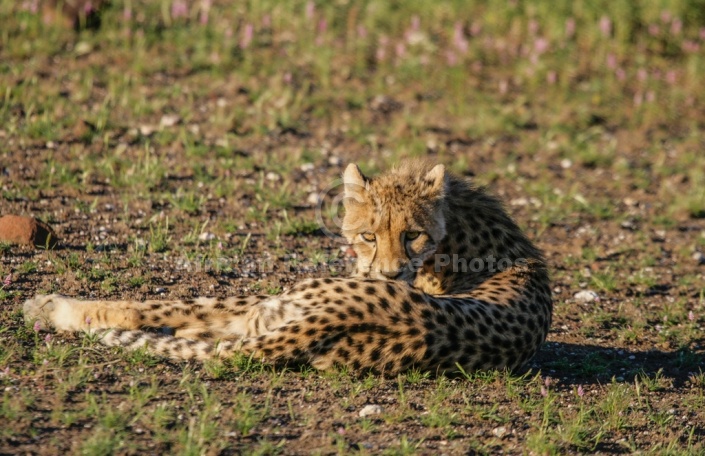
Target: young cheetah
x: 444, y: 278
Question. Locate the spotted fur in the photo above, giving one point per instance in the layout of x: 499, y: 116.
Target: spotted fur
x: 444, y: 278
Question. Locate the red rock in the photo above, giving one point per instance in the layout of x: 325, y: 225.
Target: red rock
x: 17, y: 229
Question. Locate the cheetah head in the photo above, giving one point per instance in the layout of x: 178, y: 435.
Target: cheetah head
x: 395, y: 221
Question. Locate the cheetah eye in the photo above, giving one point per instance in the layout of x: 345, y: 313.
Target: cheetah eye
x: 411, y: 235
x: 369, y: 237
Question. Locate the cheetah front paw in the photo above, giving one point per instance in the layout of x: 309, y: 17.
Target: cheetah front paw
x: 39, y: 311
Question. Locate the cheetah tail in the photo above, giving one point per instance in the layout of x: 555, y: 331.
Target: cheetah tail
x: 165, y: 345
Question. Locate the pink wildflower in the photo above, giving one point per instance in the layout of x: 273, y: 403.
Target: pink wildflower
x: 581, y: 391
x: 676, y: 26
x: 691, y: 316
x: 179, y: 8
x: 606, y: 25
x: 459, y: 40
x: 247, y: 34
x: 310, y: 10
x: 570, y: 27
x: 415, y: 23
x: 205, y: 9
x: 541, y: 45
x: 37, y: 326
x: 7, y: 281
x: 88, y: 320
x: 544, y: 391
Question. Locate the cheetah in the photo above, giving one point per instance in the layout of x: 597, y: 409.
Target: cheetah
x: 444, y: 279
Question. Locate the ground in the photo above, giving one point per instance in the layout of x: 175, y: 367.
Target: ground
x: 181, y: 149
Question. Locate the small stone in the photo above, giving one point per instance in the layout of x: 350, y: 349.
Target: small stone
x: 586, y: 296
x: 22, y: 230
x: 628, y: 225
x: 147, y: 130
x: 335, y: 161
x: 307, y: 167
x: 206, y: 236
x: 370, y: 409
x: 659, y: 236
x: 272, y: 176
x: 499, y: 432
x: 83, y: 48
x: 160, y: 290
x: 628, y: 201
x: 313, y: 198
x: 169, y: 120
x: 566, y: 163
x: 699, y: 258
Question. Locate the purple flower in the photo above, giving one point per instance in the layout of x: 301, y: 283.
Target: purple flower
x: 581, y: 391
x: 676, y: 26
x: 642, y: 75
x: 671, y: 77
x: 247, y: 34
x: 310, y: 10
x: 37, y: 326
x: 620, y: 74
x: 544, y: 391
x: 551, y: 77
x: 205, y: 9
x: 88, y: 320
x: 415, y: 23
x: 7, y: 281
x: 127, y: 13
x: 47, y: 338
x: 690, y: 47
x: 533, y: 27
x: 570, y: 27
x: 541, y: 45
x: 179, y: 8
x: 654, y: 29
x: 691, y: 316
x: 459, y: 40
x: 606, y: 25
x: 611, y: 61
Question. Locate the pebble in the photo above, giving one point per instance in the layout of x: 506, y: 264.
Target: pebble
x: 566, y: 163
x: 206, y: 236
x: 370, y: 409
x: 169, y: 120
x: 313, y: 198
x: 586, y: 296
x: 272, y: 176
x: 699, y: 258
x: 307, y: 167
x: 659, y: 236
x: 500, y: 431
x: 23, y: 230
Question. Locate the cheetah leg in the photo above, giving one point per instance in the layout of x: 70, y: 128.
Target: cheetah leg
x: 203, y: 318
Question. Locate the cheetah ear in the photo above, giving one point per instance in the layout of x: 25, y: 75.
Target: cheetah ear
x: 435, y: 180
x: 355, y: 182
